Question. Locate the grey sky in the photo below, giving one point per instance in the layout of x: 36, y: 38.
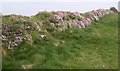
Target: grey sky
x: 59, y: 0
x: 31, y: 8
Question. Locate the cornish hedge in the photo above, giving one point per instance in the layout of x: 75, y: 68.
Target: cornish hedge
x: 44, y: 46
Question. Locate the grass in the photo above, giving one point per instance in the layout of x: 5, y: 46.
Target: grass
x: 95, y: 47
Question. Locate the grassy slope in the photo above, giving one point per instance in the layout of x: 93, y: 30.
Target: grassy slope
x: 93, y: 47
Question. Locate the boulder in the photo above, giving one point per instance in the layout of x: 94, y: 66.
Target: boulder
x: 70, y: 24
x: 74, y: 24
x: 52, y: 24
x: 113, y: 9
x: 89, y: 21
x: 82, y: 24
x: 82, y: 17
x: 60, y: 14
x: 85, y: 22
x: 72, y: 16
x: 60, y: 29
x: 36, y: 26
x: 95, y: 17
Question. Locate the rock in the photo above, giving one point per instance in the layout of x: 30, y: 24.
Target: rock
x: 61, y: 14
x: 57, y: 19
x: 3, y: 37
x: 85, y: 23
x: 52, y: 24
x: 113, y: 9
x: 14, y: 44
x: 28, y: 66
x: 82, y: 17
x: 100, y: 14
x: 10, y: 46
x: 29, y: 39
x: 72, y: 16
x: 74, y: 24
x: 42, y: 36
x: 60, y: 29
x: 96, y: 18
x: 69, y: 24
x: 39, y: 23
x: 89, y: 21
x: 36, y: 26
x: 82, y: 24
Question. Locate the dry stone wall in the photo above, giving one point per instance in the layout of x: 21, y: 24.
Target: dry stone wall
x: 18, y: 29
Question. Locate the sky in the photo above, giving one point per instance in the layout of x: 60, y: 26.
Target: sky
x: 23, y: 7
x: 59, y: 0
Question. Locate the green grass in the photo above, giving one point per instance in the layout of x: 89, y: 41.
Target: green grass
x: 95, y: 47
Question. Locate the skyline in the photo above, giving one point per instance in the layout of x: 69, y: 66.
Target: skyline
x: 59, y: 1
x: 32, y: 8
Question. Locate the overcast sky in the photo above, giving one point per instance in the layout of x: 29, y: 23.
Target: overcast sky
x: 31, y: 8
x: 59, y: 0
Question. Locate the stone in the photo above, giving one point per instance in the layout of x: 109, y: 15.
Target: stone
x: 82, y: 24
x: 10, y: 45
x: 74, y: 24
x: 82, y: 17
x: 30, y: 41
x: 37, y: 27
x: 57, y: 18
x: 60, y: 29
x: 15, y: 44
x: 3, y: 37
x: 86, y: 23
x: 100, y: 14
x: 76, y: 14
x: 61, y: 14
x: 18, y: 41
x: 42, y: 36
x: 89, y: 21
x: 79, y: 26
x: 52, y: 24
x: 72, y: 16
x: 113, y: 9
x: 96, y: 17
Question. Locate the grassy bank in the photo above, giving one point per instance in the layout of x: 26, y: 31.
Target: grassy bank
x: 93, y: 47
